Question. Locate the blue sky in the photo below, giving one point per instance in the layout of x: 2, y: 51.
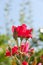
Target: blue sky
x: 37, y: 13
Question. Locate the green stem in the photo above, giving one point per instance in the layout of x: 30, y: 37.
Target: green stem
x: 18, y: 60
x: 16, y: 41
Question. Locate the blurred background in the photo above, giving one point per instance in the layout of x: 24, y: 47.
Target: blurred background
x: 17, y: 12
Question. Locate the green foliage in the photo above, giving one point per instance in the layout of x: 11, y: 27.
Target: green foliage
x: 3, y: 39
x: 38, y: 54
x: 41, y: 36
x: 3, y: 59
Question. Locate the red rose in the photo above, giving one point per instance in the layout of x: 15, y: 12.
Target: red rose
x: 31, y: 30
x: 18, y: 28
x: 24, y: 26
x: 13, y: 28
x: 24, y: 63
x: 22, y: 47
x: 8, y: 53
x: 21, y: 30
x: 28, y: 34
x: 25, y: 47
x: 21, y: 34
x: 14, y: 50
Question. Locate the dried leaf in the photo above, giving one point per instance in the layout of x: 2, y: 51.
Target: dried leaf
x: 34, y: 62
x: 14, y: 63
